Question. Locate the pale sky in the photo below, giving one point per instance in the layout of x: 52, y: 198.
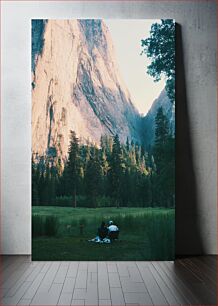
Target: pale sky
x: 127, y: 35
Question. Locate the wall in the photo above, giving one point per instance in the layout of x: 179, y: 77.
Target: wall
x: 196, y: 113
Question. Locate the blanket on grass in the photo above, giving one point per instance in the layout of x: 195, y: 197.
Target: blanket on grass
x: 98, y: 240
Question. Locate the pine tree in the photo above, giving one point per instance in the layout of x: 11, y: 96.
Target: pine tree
x: 41, y: 188
x: 73, y: 165
x: 161, y: 138
x: 164, y: 157
x: 116, y: 170
x: 35, y: 181
x: 137, y: 154
x: 127, y: 144
x: 104, y: 162
x: 52, y: 185
x: 110, y: 145
x: 47, y: 184
x: 161, y: 127
x: 132, y: 156
x: 93, y: 177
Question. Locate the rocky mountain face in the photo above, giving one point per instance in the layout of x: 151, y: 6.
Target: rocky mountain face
x: 148, y: 122
x: 76, y: 85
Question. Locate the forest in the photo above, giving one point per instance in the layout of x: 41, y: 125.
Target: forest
x: 113, y: 174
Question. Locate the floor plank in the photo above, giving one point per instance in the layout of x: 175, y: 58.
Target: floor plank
x: 12, y: 278
x: 17, y: 296
x: 167, y: 291
x: 170, y: 281
x: 117, y: 296
x: 29, y: 276
x: 65, y: 299
x: 170, y: 270
x: 103, y: 282
x: 204, y: 293
x: 69, y: 285
x: 203, y: 271
x: 49, y: 278
x: 155, y: 292
x: 187, y: 281
x: 48, y: 298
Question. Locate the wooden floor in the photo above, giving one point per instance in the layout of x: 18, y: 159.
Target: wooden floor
x: 188, y: 281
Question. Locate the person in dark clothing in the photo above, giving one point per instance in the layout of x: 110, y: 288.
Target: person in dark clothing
x: 102, y: 231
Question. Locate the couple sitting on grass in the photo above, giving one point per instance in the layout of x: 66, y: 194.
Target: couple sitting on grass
x: 106, y: 233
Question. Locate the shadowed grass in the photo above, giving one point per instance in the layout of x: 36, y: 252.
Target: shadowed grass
x: 44, y: 226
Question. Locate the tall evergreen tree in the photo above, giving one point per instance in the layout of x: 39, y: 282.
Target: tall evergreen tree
x: 93, y: 178
x: 52, y: 185
x: 161, y: 127
x: 35, y: 182
x: 161, y: 138
x: 46, y: 195
x: 116, y: 170
x: 127, y: 144
x: 73, y: 165
x: 164, y: 157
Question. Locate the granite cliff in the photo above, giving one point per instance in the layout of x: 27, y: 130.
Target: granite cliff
x: 76, y: 85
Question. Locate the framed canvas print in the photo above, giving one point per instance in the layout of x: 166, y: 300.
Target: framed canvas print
x: 103, y: 139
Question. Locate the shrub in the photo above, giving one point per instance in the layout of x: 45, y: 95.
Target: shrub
x: 51, y: 226
x: 64, y: 201
x: 160, y: 229
x: 67, y: 201
x: 83, y: 201
x: 104, y: 202
x: 37, y: 225
x: 44, y: 225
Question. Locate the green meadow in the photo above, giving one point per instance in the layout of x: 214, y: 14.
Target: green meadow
x: 63, y: 233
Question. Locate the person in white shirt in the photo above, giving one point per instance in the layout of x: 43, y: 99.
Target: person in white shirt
x: 113, y: 231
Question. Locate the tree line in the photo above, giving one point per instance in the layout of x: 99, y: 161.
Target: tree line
x: 111, y: 174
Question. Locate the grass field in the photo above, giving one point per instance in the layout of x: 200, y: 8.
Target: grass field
x: 145, y: 233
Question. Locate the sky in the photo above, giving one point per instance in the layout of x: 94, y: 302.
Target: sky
x: 126, y: 36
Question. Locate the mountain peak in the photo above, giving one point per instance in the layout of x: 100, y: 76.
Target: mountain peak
x: 148, y: 125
